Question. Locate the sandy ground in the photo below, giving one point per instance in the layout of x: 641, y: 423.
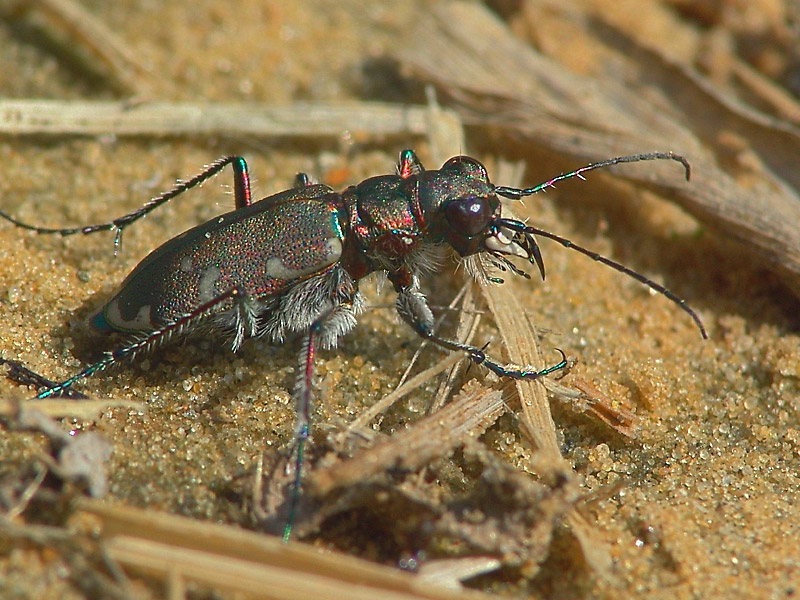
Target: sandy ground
x: 702, y: 503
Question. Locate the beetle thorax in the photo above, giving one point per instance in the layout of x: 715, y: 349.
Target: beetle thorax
x: 386, y: 222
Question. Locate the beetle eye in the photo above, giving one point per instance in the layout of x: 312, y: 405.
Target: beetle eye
x: 468, y: 216
x: 465, y: 163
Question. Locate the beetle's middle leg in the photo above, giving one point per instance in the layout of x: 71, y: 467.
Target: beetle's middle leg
x: 241, y: 191
x: 323, y: 332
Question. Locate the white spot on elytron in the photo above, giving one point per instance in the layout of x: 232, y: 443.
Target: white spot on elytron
x: 277, y: 270
x: 186, y: 265
x: 206, y: 289
x: 407, y: 240
x: 207, y: 235
x: 221, y: 220
x: 141, y: 322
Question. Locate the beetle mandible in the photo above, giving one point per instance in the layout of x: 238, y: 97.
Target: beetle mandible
x: 291, y: 263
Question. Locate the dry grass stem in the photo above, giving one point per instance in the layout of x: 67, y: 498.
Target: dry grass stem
x: 63, y: 408
x: 384, y: 403
x: 180, y: 550
x: 468, y: 320
x: 466, y: 417
x: 56, y: 117
x: 520, y: 340
x: 84, y: 31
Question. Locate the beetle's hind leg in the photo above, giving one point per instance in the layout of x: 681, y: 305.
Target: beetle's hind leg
x: 21, y: 374
x: 141, y: 345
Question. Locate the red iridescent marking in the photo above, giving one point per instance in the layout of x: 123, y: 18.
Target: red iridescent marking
x: 406, y: 169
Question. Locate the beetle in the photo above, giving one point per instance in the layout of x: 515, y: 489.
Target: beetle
x: 291, y: 263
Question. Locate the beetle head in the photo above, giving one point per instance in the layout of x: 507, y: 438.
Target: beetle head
x: 464, y: 211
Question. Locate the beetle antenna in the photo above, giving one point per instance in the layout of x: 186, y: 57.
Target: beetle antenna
x: 517, y: 193
x: 522, y: 228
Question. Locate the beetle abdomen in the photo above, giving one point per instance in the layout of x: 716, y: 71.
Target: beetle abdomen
x: 261, y: 252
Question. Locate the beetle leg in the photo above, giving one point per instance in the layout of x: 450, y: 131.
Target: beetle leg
x: 241, y: 192
x: 146, y: 342
x: 24, y: 376
x: 302, y: 180
x: 412, y: 306
x: 325, y: 326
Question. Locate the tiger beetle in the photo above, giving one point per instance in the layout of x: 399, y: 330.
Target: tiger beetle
x: 291, y: 264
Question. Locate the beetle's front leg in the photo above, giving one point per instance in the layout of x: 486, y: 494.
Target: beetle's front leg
x: 412, y: 306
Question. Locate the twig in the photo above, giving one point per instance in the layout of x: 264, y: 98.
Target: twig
x: 226, y: 558
x: 469, y: 415
x: 56, y: 117
x: 85, y: 31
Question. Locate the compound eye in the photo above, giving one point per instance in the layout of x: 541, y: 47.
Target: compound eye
x: 468, y: 216
x: 467, y: 165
